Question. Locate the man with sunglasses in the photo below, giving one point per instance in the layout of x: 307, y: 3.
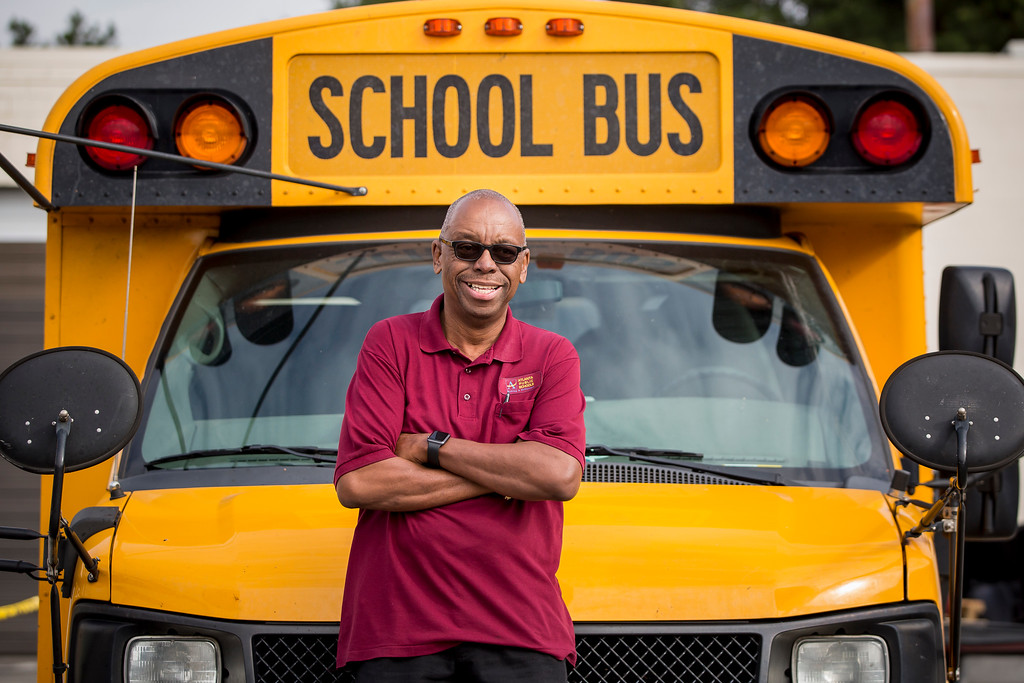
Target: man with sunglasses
x: 463, y: 433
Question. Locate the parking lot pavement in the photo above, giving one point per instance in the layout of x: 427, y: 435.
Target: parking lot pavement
x: 18, y: 668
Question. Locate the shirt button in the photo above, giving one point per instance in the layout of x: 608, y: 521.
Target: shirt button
x: 466, y: 397
x: 469, y: 370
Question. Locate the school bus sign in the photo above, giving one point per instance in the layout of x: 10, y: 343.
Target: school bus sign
x: 504, y: 114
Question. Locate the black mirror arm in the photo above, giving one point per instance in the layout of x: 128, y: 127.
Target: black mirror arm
x: 91, y: 563
x: 956, y: 560
x: 63, y: 426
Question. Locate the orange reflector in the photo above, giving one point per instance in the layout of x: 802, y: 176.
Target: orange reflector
x: 564, y: 27
x: 794, y: 130
x: 210, y: 130
x: 442, y: 27
x: 503, y: 26
x: 975, y: 156
x: 30, y: 160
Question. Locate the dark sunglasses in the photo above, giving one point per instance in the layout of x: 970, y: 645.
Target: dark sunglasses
x: 502, y: 254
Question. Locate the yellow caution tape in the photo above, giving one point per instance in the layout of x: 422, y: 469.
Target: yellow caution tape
x: 26, y: 606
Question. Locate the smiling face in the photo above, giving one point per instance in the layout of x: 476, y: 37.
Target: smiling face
x: 476, y: 294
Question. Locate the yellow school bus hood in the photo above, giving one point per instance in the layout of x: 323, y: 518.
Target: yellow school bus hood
x: 676, y: 552
x: 265, y: 553
x: 631, y: 552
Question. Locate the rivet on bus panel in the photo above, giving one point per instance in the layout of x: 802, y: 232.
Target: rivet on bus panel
x: 442, y: 28
x: 503, y: 26
x: 564, y: 27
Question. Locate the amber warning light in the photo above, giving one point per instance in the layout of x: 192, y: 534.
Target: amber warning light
x: 795, y: 130
x: 210, y: 130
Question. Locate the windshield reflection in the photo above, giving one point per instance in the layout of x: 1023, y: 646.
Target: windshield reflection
x: 728, y: 352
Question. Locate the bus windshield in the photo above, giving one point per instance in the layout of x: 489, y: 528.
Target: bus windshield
x: 735, y: 355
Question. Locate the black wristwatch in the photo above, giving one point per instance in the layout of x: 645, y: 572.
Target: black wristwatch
x: 434, y: 443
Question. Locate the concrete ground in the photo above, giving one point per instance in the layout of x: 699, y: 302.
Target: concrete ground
x: 18, y: 668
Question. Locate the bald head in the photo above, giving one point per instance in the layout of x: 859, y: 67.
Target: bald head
x: 480, y: 195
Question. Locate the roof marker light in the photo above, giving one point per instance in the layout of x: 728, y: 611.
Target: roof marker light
x: 564, y: 27
x: 442, y: 28
x: 887, y: 132
x: 794, y: 130
x: 503, y: 26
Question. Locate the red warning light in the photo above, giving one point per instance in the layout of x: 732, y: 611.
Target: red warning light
x: 887, y: 133
x: 118, y: 124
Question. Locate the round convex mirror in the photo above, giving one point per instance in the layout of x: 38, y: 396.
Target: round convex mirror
x: 919, y: 405
x: 97, y: 389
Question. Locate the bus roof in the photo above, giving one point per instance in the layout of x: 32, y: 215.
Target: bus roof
x: 646, y: 105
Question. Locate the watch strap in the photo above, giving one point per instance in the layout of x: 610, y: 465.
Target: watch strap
x: 434, y: 443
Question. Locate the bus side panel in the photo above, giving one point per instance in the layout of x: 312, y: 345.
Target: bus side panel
x: 881, y: 280
x: 86, y: 275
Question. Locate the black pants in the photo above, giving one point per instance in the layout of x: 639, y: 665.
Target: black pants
x: 465, y: 663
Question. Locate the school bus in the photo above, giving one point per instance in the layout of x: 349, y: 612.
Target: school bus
x: 724, y: 217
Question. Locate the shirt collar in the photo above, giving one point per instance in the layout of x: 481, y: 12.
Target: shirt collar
x: 508, y: 348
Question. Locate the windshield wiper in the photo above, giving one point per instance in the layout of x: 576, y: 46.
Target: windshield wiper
x: 314, y: 453
x: 686, y: 462
x: 642, y: 453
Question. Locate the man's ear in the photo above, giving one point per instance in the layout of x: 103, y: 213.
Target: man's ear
x: 526, y: 265
x: 435, y: 253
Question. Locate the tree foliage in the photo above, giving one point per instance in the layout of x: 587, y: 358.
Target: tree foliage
x: 77, y: 32
x: 975, y: 26
x: 21, y: 32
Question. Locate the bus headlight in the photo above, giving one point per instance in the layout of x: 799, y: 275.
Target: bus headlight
x: 841, y: 659
x: 165, y: 658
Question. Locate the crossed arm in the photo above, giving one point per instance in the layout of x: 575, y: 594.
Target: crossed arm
x: 524, y: 470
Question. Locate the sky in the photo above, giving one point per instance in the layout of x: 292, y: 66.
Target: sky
x: 145, y: 23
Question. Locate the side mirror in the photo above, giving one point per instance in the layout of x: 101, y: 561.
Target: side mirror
x: 919, y: 405
x: 978, y: 311
x: 97, y: 390
x: 959, y: 412
x: 63, y: 410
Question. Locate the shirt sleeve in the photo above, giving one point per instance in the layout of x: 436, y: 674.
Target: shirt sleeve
x: 557, y: 416
x: 374, y: 404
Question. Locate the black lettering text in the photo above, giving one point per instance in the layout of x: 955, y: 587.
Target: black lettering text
x: 417, y: 112
x: 696, y: 131
x: 527, y: 146
x: 457, y: 84
x: 508, y: 115
x: 316, y: 100
x: 654, y: 116
x: 592, y: 111
x: 355, y: 118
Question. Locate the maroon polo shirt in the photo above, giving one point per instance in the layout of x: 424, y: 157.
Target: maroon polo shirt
x: 480, y: 570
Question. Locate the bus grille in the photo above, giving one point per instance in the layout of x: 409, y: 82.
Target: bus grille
x: 651, y: 658
x: 628, y: 473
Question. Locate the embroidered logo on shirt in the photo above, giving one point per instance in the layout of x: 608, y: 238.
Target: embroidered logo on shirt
x: 519, y: 385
